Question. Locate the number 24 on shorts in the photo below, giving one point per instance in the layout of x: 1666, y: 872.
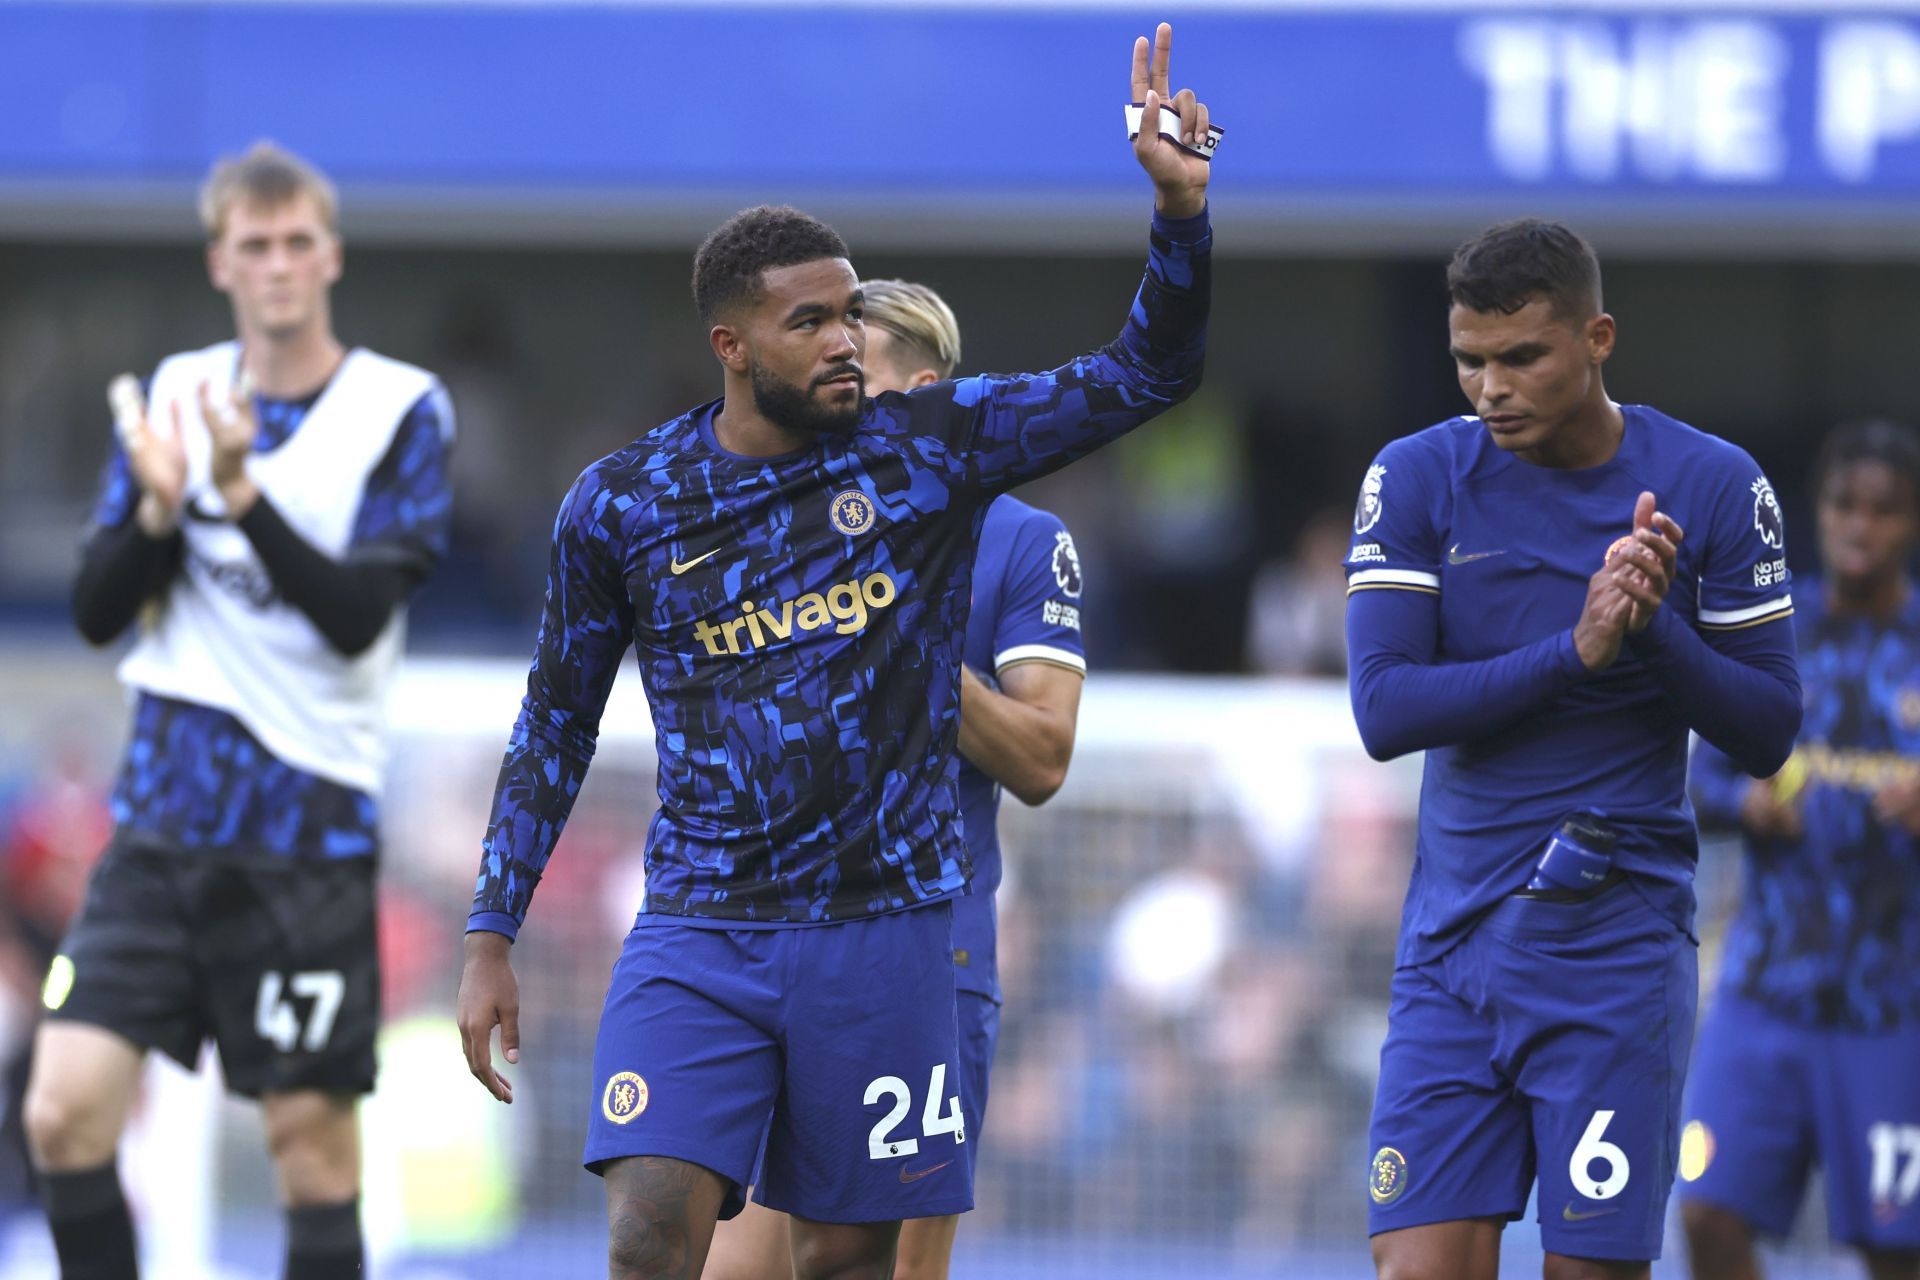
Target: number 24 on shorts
x: 880, y: 1146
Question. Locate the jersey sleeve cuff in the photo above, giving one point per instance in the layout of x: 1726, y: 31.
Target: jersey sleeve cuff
x: 1184, y: 230
x: 1051, y: 653
x: 1393, y: 579
x: 1751, y: 616
x: 493, y: 922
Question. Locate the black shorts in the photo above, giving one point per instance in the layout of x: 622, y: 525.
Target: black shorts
x: 276, y: 962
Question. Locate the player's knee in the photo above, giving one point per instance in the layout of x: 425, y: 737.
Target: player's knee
x: 1719, y: 1241
x: 850, y: 1253
x: 880, y: 1268
x: 646, y: 1239
x: 926, y: 1249
x: 1392, y: 1267
x: 1561, y: 1267
x: 314, y: 1143
x: 1399, y: 1255
x: 64, y: 1130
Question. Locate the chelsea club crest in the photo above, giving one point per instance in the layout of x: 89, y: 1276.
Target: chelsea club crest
x: 851, y: 512
x: 1387, y: 1180
x: 625, y: 1097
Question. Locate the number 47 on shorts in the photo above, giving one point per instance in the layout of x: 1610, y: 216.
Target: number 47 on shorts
x: 278, y: 1021
x: 881, y: 1145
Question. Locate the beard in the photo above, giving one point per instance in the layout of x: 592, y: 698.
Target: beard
x: 793, y: 408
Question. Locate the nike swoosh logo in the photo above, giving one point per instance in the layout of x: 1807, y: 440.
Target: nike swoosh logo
x: 680, y: 567
x: 1569, y: 1215
x: 1455, y: 557
x: 908, y: 1176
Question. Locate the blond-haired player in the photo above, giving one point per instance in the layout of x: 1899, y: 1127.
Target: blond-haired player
x: 1015, y: 732
x: 270, y: 504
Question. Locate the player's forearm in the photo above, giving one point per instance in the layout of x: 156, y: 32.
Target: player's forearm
x: 1160, y: 354
x: 1405, y: 701
x: 1747, y: 705
x: 583, y: 635
x: 545, y: 765
x: 1037, y: 424
x: 121, y: 568
x: 1024, y: 748
x: 1165, y: 336
x: 349, y: 601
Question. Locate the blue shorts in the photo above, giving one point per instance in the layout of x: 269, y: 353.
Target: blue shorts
x: 836, y: 1042
x: 1552, y: 1040
x: 979, y: 1034
x: 1771, y: 1098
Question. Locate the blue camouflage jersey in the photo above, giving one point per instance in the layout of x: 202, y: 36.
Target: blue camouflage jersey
x: 194, y: 777
x: 798, y: 622
x: 1026, y: 608
x: 1828, y: 931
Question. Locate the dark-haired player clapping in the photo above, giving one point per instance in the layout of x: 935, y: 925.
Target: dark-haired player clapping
x: 1546, y: 598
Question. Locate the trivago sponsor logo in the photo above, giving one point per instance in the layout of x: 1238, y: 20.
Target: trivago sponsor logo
x: 845, y: 607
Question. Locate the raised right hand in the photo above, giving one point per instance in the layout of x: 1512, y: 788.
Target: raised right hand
x: 157, y: 459
x: 1179, y: 177
x: 489, y: 997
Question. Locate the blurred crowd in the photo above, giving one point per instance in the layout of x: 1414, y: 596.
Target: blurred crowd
x: 1211, y: 540
x: 1195, y: 991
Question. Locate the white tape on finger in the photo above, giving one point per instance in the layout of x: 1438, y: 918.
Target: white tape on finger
x: 123, y: 393
x: 1170, y: 130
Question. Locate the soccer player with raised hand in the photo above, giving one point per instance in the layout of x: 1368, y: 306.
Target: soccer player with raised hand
x: 1810, y: 1054
x: 1019, y: 701
x: 272, y: 503
x: 792, y: 565
x: 1546, y: 597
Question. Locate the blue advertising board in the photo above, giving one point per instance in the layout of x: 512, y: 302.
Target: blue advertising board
x: 1386, y: 107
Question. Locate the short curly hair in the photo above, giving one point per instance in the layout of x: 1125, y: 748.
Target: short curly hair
x: 727, y: 270
x: 1507, y: 266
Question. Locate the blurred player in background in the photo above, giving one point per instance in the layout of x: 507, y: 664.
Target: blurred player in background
x: 793, y: 563
x: 267, y: 541
x: 1520, y: 610
x: 1016, y: 733
x: 1811, y: 1052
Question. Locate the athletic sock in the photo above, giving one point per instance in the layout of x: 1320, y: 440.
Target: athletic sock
x: 92, y: 1230
x: 323, y: 1242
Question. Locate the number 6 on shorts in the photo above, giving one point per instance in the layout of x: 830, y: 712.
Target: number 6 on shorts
x: 1594, y: 1146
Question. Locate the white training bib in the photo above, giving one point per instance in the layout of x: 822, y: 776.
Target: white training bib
x: 222, y: 636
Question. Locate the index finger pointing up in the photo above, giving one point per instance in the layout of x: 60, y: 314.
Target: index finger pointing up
x: 1162, y: 58
x: 1139, y: 70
